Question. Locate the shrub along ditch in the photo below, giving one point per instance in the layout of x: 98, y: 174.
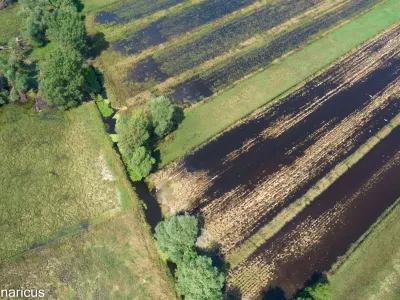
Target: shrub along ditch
x: 138, y: 134
x: 197, y: 278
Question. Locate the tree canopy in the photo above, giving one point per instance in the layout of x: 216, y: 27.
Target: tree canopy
x: 133, y: 132
x: 199, y: 280
x: 65, y: 26
x: 133, y: 142
x: 162, y: 116
x: 140, y: 162
x: 34, y: 15
x: 176, y: 235
x: 61, y: 82
x: 322, y: 290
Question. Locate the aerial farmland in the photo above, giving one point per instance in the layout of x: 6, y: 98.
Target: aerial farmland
x: 241, y: 149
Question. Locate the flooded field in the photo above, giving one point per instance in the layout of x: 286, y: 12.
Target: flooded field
x: 129, y: 10
x: 172, y: 25
x: 264, y: 35
x: 313, y: 241
x: 241, y: 180
x: 226, y: 74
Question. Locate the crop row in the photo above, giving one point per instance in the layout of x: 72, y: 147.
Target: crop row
x: 242, y: 65
x: 173, y: 25
x: 128, y: 10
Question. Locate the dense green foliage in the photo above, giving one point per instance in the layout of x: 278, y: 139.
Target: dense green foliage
x: 65, y: 26
x: 322, y: 290
x: 61, y: 82
x: 93, y: 84
x: 135, y: 139
x: 199, y: 280
x: 35, y: 15
x: 103, y: 107
x: 133, y: 142
x: 162, y: 114
x: 176, y: 235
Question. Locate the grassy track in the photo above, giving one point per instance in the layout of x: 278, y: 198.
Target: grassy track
x: 58, y: 172
x: 113, y: 260
x: 10, y: 23
x: 372, y: 271
x: 213, y: 117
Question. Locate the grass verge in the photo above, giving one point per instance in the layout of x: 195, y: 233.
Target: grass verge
x: 322, y: 185
x: 371, y: 268
x: 201, y: 124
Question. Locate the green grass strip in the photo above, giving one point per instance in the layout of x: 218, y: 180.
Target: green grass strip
x: 201, y: 124
x: 371, y: 268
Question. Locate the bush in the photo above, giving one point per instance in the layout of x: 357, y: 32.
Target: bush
x: 133, y: 132
x: 176, y: 236
x: 61, y: 82
x: 92, y: 80
x: 199, y: 280
x: 162, y: 116
x: 104, y: 108
x: 22, y: 82
x: 66, y: 27
x: 14, y: 95
x: 133, y: 142
x: 322, y: 290
x: 34, y: 20
x: 140, y: 163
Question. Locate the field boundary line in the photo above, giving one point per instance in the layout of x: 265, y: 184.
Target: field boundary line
x: 289, y: 213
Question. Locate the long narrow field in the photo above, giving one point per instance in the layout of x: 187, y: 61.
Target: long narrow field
x: 325, y: 230
x: 243, y: 179
x: 199, y: 49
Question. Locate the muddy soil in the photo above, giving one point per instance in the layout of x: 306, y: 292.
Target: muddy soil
x: 325, y: 230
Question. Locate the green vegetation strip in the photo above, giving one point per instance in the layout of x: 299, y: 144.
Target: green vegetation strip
x: 203, y: 123
x: 371, y: 269
x: 296, y: 207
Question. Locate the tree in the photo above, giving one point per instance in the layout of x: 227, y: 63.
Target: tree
x: 61, y: 82
x: 162, y: 115
x: 34, y: 17
x: 21, y: 82
x: 322, y: 290
x: 176, y: 236
x: 199, y: 280
x: 140, y: 162
x: 133, y: 132
x: 66, y: 27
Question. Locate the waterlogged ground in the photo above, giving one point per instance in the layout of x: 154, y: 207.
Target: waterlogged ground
x: 321, y: 233
x: 240, y: 181
x: 237, y: 48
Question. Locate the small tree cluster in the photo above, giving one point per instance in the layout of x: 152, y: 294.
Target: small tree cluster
x: 321, y: 290
x: 34, y: 15
x: 197, y: 278
x: 15, y: 80
x: 137, y: 134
